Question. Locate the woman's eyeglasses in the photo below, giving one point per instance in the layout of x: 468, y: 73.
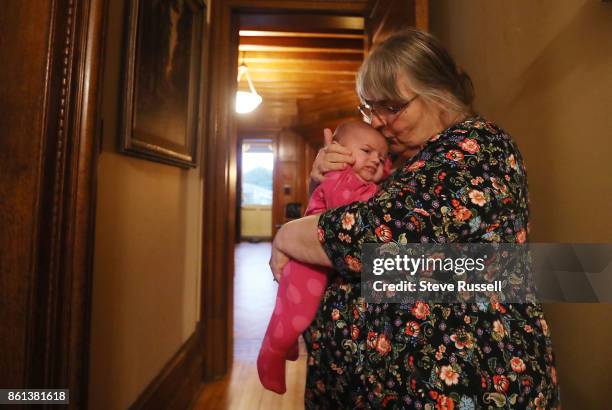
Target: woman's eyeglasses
x: 383, y: 110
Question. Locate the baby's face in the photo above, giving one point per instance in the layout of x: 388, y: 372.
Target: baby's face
x: 370, y: 150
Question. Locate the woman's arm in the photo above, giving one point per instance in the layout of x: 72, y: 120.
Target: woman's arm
x: 297, y: 240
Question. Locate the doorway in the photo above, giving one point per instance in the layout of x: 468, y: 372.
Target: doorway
x: 302, y: 60
x: 256, y: 170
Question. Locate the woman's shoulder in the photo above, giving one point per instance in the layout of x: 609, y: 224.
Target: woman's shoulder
x: 475, y: 128
x: 472, y: 143
x: 475, y: 137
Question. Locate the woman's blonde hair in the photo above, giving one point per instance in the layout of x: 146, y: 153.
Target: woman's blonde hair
x: 420, y: 59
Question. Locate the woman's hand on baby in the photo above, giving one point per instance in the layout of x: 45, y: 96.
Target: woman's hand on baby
x: 278, y: 260
x: 332, y: 157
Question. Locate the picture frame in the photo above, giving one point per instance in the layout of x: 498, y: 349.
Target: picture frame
x: 162, y: 71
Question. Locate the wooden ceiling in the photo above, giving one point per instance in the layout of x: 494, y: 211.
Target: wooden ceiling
x: 304, y: 67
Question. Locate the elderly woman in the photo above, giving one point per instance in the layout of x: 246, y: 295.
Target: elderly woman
x: 461, y: 180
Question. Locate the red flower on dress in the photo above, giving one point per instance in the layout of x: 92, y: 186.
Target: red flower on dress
x: 421, y: 211
x: 348, y: 220
x: 412, y: 328
x: 517, y: 364
x: 454, y: 155
x: 355, y: 312
x: 383, y: 232
x: 420, y: 310
x: 462, y: 339
x: 469, y: 145
x: 354, y: 332
x: 501, y: 383
x: 477, y: 197
x: 499, y: 307
x: 320, y: 234
x: 521, y: 236
x: 353, y: 264
x: 444, y: 403
x: 383, y: 345
x: 448, y: 375
x: 462, y: 214
x: 416, y: 165
x: 371, y: 340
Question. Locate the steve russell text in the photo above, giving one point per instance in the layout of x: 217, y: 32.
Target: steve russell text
x: 411, y: 265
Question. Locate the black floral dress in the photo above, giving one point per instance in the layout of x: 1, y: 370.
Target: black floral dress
x: 467, y: 184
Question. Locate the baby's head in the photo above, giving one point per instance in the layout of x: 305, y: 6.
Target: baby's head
x: 368, y: 146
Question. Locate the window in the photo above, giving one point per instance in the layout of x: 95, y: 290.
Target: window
x: 257, y: 170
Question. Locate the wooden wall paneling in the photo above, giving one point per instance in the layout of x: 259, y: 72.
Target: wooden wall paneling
x: 284, y: 176
x: 421, y: 14
x: 178, y: 383
x: 333, y: 67
x: 296, y: 78
x: 49, y: 146
x: 289, y: 56
x: 387, y: 16
x: 302, y: 22
x: 287, y: 146
x: 343, y: 44
x: 313, y: 132
x: 300, y: 183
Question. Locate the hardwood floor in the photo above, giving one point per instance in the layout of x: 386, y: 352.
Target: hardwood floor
x: 254, y: 294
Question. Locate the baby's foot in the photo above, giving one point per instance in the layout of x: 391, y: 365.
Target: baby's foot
x: 271, y: 369
x: 294, y: 352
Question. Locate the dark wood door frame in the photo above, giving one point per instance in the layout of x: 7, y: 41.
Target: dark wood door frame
x: 55, y: 268
x: 61, y: 308
x: 220, y: 162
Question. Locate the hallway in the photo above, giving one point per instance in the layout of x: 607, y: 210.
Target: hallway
x: 254, y: 294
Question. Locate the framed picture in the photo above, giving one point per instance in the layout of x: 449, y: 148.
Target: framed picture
x: 161, y: 88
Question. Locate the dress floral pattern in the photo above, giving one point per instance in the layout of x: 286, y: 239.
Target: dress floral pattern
x: 467, y: 184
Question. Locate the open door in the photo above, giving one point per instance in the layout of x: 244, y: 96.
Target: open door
x: 256, y: 189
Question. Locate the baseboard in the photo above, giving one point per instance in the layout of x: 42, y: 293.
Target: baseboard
x: 255, y: 239
x: 179, y: 381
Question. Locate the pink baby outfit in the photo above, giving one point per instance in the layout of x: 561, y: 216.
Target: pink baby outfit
x: 302, y: 285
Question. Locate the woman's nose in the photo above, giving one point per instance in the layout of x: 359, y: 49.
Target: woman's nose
x: 377, y: 123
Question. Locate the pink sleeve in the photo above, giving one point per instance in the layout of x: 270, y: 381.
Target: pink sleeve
x: 316, y: 204
x: 338, y: 189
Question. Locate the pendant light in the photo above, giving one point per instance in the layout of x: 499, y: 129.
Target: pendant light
x: 246, y: 101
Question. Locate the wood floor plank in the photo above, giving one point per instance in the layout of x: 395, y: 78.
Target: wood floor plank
x: 254, y: 295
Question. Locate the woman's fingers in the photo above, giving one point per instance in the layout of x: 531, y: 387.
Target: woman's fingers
x: 339, y: 158
x: 328, y: 136
x: 333, y: 157
x: 337, y: 149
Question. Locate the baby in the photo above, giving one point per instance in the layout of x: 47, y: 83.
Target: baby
x: 302, y: 285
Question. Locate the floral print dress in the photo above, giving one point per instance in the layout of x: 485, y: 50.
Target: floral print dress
x: 467, y: 184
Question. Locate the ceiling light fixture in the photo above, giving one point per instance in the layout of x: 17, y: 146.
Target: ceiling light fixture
x: 246, y: 101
